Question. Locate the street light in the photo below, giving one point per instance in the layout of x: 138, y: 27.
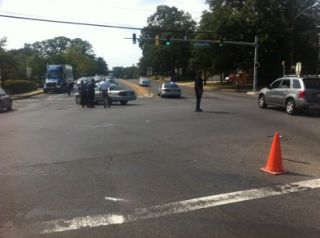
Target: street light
x: 292, y: 27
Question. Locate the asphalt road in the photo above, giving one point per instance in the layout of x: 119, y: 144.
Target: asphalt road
x: 156, y: 168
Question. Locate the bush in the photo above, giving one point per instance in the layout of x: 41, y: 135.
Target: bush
x: 19, y: 86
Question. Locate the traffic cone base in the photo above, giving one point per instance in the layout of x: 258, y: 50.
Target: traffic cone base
x: 274, y: 163
x: 273, y: 172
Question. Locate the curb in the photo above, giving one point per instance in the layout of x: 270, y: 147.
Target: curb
x: 27, y: 95
x: 208, y: 89
x: 252, y: 93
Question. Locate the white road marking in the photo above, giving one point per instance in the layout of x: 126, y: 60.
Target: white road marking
x: 103, y: 125
x: 175, y: 207
x: 53, y: 97
x: 115, y: 199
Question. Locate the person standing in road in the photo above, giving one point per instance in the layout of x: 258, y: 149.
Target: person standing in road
x: 83, y: 94
x: 198, y: 88
x: 69, y: 88
x: 91, y: 89
x: 104, y: 87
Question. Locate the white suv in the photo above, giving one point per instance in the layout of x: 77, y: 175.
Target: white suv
x: 292, y: 93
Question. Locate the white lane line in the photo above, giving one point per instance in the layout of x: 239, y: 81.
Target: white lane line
x: 115, y: 199
x: 103, y: 125
x: 175, y: 207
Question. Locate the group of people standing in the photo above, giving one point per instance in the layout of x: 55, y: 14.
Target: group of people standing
x: 87, y: 93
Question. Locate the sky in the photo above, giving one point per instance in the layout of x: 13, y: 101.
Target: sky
x: 108, y: 43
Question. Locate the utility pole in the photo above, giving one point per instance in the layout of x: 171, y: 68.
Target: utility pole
x: 318, y: 68
x: 255, y: 64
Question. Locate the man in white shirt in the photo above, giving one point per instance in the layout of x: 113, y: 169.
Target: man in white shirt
x: 104, y: 87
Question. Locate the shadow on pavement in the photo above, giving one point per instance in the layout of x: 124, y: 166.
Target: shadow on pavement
x: 298, y: 174
x: 217, y: 112
x: 304, y: 113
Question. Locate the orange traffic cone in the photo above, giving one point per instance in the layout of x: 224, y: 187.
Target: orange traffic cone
x: 274, y: 163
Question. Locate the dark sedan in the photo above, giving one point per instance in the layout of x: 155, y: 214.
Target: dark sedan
x: 5, y: 100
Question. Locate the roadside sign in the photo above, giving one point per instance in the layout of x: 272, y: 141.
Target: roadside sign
x: 201, y: 45
x: 298, y: 68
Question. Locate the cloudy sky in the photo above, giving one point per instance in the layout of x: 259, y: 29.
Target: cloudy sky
x: 108, y: 43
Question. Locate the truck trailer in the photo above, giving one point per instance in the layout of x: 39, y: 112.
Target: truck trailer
x: 58, y: 77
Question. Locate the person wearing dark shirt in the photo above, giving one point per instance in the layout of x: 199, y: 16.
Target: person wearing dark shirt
x: 82, y: 92
x: 69, y: 88
x: 90, y: 97
x: 198, y: 88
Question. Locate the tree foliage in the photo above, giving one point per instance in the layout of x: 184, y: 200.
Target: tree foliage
x: 125, y: 72
x: 278, y: 24
x: 59, y: 50
x: 166, y: 22
x: 286, y: 29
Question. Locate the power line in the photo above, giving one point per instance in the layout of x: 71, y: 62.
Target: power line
x: 70, y: 22
x: 95, y: 24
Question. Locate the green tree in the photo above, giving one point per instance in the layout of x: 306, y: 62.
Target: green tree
x: 101, y: 66
x: 272, y: 22
x: 166, y: 22
x: 118, y: 72
x: 59, y: 50
x: 8, y: 63
x: 83, y: 65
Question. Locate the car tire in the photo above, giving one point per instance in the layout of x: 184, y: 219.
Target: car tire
x: 9, y: 108
x: 262, y: 101
x: 123, y: 102
x: 45, y: 91
x: 291, y: 106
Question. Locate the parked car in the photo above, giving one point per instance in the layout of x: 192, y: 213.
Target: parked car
x: 169, y: 90
x: 112, y: 81
x: 143, y: 81
x: 292, y: 92
x: 117, y: 94
x: 84, y: 79
x: 5, y: 100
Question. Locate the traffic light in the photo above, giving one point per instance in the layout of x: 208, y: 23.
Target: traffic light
x: 168, y: 40
x: 221, y: 41
x: 157, y: 40
x: 134, y: 38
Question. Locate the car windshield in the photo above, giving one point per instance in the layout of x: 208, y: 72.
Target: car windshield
x: 54, y: 75
x: 312, y: 83
x: 115, y: 88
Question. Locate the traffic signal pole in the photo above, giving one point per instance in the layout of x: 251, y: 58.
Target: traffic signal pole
x: 256, y: 64
x: 255, y: 44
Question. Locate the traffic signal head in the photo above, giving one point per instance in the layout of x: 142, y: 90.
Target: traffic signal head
x: 221, y: 41
x: 134, y: 38
x: 168, y: 40
x: 157, y: 40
